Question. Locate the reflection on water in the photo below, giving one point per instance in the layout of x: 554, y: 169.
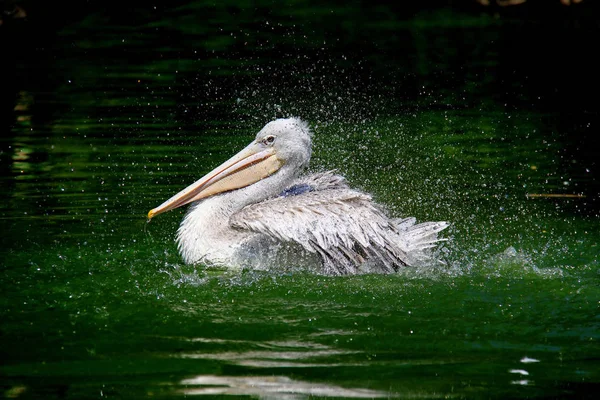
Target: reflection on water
x: 523, y: 372
x: 274, y: 387
x: 292, y: 354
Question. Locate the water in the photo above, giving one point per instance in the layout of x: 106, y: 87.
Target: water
x: 441, y: 114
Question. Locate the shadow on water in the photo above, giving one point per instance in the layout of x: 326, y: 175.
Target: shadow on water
x: 446, y: 113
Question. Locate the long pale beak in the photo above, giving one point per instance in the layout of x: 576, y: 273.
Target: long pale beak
x: 245, y: 168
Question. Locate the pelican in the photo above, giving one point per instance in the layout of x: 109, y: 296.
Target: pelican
x: 256, y: 210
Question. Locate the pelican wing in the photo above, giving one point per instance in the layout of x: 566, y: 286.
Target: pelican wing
x: 323, y: 180
x: 343, y: 226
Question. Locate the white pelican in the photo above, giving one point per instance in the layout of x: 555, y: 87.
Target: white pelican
x: 248, y: 209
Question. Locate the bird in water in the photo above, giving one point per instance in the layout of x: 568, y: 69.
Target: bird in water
x: 256, y: 210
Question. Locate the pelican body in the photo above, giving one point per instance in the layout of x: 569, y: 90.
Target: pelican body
x: 256, y: 211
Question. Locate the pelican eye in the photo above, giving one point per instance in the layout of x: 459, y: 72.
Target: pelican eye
x: 268, y: 139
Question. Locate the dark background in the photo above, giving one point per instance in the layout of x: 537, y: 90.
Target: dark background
x: 540, y: 57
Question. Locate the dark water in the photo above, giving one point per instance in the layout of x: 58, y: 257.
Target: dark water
x: 444, y: 114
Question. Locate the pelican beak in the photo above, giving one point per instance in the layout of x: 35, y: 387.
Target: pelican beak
x: 245, y: 168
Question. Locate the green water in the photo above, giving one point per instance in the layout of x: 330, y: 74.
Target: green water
x: 439, y: 114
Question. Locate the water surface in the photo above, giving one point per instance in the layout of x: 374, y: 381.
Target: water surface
x: 440, y: 114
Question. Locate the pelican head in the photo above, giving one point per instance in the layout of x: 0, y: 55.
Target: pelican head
x: 283, y: 144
